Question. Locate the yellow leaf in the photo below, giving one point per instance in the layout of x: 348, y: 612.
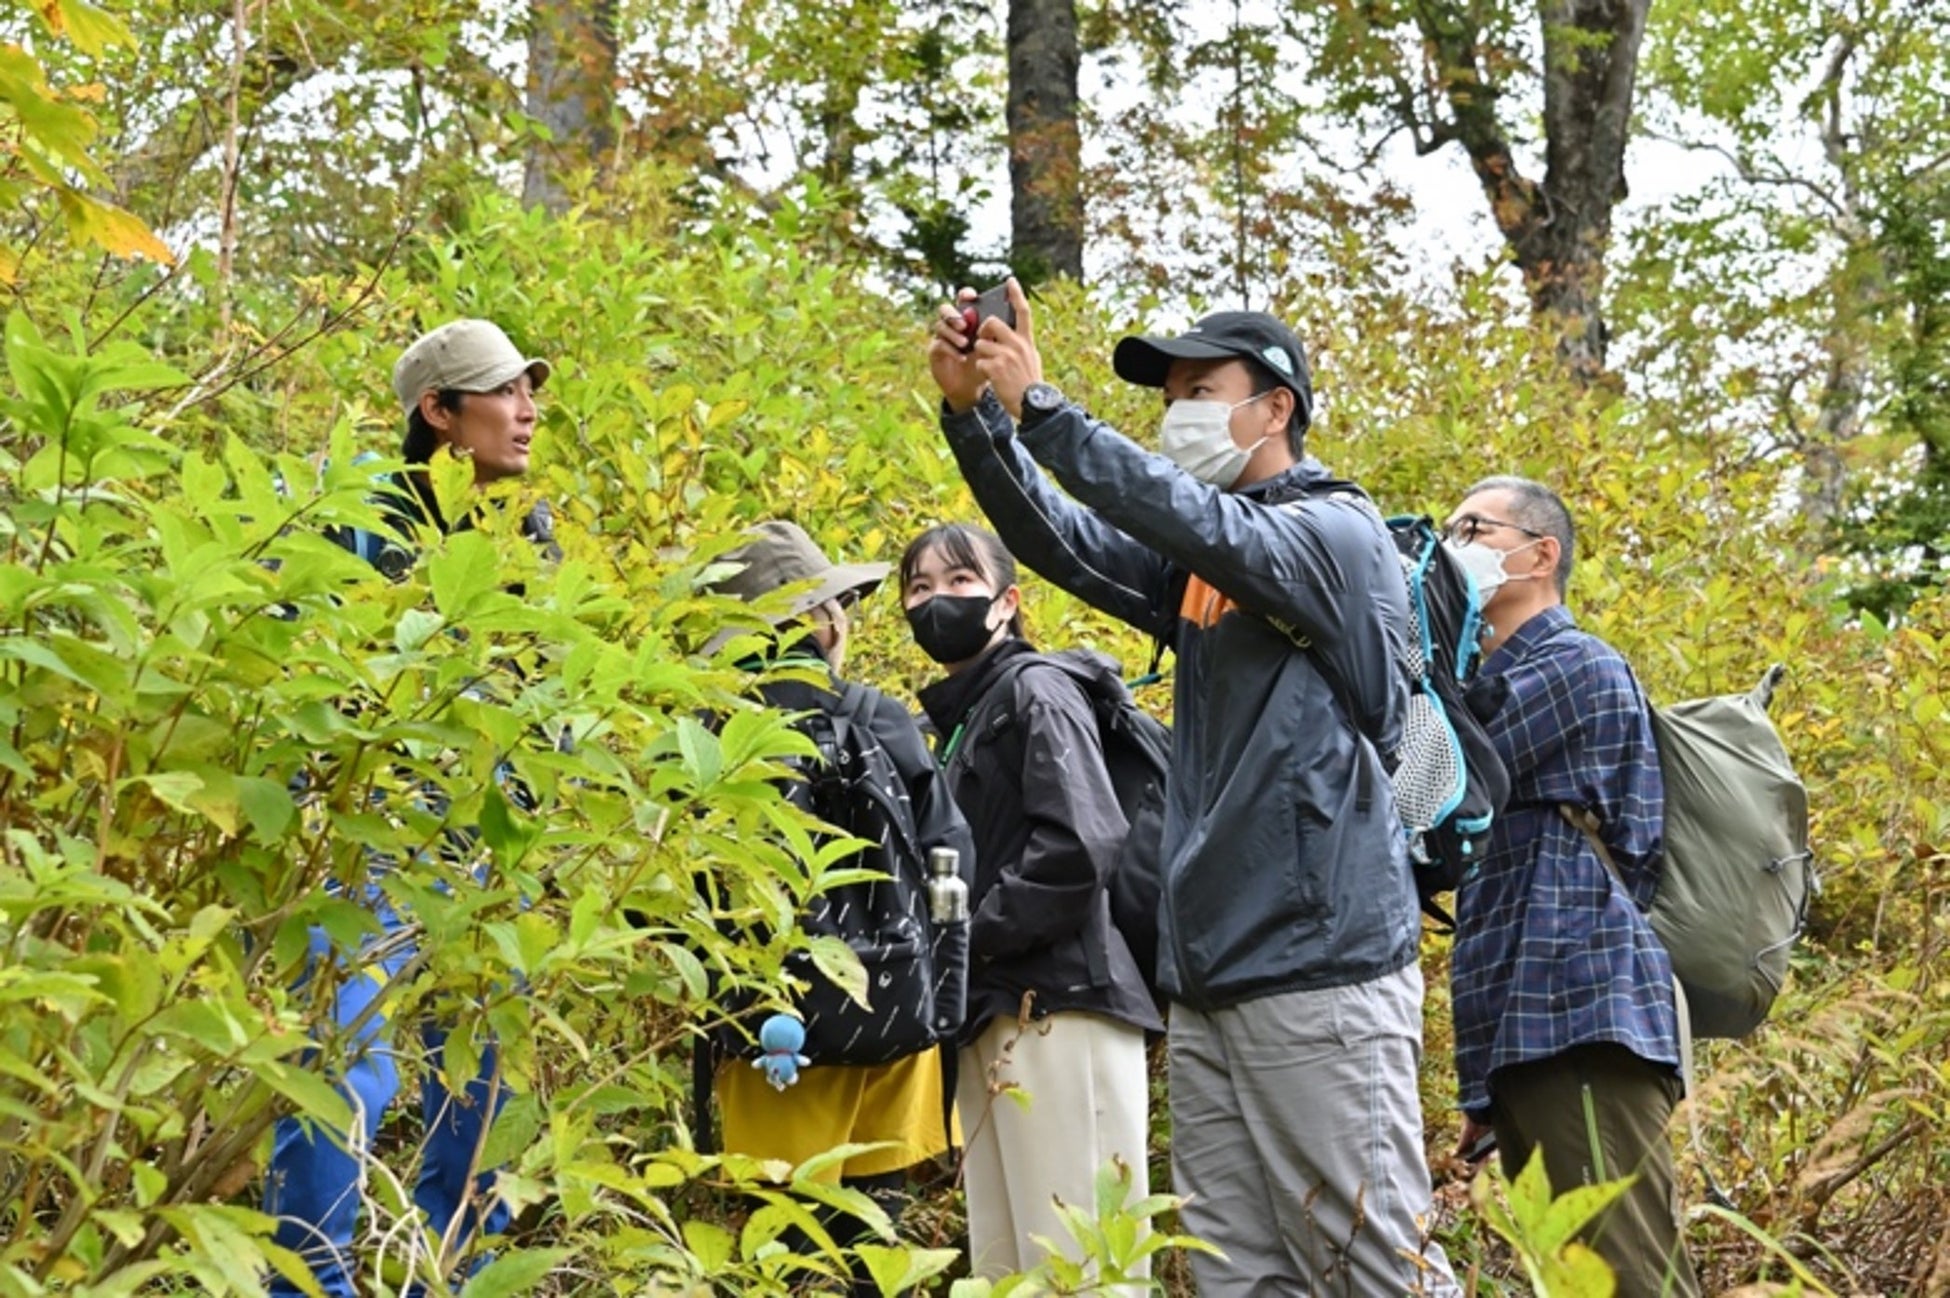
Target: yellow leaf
x: 93, y: 221
x: 92, y: 30
x: 9, y: 265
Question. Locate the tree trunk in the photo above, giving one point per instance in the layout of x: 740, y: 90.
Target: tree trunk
x: 1558, y: 231
x: 571, y: 91
x: 1045, y: 146
x: 1838, y: 415
x: 1860, y: 291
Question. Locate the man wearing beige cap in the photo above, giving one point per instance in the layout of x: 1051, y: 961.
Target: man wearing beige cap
x: 464, y: 386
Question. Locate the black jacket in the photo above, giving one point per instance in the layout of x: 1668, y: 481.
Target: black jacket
x: 1285, y: 868
x: 1029, y: 776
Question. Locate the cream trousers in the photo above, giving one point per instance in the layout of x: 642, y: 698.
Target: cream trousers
x: 1082, y: 1098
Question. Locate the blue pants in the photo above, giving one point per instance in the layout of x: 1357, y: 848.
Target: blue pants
x: 312, y: 1187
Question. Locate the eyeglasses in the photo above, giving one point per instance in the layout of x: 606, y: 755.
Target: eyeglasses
x: 1470, y: 526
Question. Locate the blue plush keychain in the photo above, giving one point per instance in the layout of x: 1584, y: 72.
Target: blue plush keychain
x: 780, y: 1037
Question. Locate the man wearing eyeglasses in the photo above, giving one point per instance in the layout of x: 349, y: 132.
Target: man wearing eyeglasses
x: 1567, y: 1037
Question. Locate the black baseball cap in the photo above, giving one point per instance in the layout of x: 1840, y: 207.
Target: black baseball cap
x: 1247, y: 335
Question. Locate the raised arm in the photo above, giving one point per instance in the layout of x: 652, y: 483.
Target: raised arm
x: 1045, y: 530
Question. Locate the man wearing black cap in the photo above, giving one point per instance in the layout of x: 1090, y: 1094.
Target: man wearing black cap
x: 1288, y: 923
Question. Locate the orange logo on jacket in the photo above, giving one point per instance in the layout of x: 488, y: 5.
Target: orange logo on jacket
x: 1204, y: 604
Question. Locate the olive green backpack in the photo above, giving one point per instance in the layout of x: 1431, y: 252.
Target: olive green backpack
x: 1733, y: 897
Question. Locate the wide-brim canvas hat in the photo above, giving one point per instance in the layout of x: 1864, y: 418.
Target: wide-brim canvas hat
x: 780, y: 554
x: 464, y: 356
x: 1224, y: 335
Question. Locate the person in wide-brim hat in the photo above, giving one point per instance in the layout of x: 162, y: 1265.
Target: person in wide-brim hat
x: 779, y: 555
x: 893, y: 1114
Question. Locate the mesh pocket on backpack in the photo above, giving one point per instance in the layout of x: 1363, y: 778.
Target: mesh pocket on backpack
x: 1428, y: 772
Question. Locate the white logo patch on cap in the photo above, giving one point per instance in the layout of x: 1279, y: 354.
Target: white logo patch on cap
x: 1276, y: 357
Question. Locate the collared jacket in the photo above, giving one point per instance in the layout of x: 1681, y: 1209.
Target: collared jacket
x: 1025, y: 763
x: 1284, y: 865
x: 1552, y: 949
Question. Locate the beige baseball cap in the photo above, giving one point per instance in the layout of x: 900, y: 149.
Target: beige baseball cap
x: 465, y: 355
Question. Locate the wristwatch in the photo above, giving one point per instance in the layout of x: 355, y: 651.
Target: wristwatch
x: 1040, y: 400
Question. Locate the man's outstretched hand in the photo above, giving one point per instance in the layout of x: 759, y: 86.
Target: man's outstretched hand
x: 955, y: 372
x: 1003, y: 358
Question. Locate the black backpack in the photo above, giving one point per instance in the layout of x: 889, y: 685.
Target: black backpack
x: 1449, y: 782
x: 917, y: 971
x: 1137, y: 756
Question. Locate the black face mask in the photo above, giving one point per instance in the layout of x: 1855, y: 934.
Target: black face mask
x: 951, y: 628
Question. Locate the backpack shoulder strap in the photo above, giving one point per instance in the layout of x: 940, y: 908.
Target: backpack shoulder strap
x: 853, y: 737
x: 1348, y: 494
x: 1586, y: 821
x: 990, y: 714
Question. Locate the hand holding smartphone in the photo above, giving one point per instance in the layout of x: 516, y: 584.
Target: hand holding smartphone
x: 989, y: 302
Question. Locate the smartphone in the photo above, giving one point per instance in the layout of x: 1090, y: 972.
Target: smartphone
x: 990, y: 302
x: 1484, y: 1146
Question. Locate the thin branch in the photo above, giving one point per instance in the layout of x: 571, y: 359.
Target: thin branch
x: 227, y: 209
x: 1754, y: 173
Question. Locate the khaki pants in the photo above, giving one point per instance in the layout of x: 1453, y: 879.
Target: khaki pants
x: 1599, y: 1113
x: 1082, y: 1099
x: 1297, y: 1132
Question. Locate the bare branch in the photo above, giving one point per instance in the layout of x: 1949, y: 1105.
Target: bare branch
x: 1834, y: 140
x: 1754, y: 173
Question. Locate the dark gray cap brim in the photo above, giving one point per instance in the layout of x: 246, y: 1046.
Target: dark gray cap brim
x: 1146, y: 361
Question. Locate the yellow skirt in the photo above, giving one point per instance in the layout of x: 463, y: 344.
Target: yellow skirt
x: 837, y: 1104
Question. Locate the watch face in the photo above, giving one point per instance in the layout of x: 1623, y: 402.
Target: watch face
x: 1043, y: 396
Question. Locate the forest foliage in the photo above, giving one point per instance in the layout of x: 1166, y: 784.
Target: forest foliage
x: 223, y: 223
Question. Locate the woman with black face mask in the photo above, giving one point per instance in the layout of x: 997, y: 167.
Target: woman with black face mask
x: 1057, y: 1008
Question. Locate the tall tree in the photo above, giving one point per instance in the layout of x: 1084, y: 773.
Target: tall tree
x: 1045, y: 145
x: 1832, y: 124
x: 571, y: 92
x: 1465, y: 72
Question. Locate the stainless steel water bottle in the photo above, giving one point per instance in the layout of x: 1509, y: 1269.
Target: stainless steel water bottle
x: 947, y: 894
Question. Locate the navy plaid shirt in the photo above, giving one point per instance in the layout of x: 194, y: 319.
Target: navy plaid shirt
x: 1551, y: 951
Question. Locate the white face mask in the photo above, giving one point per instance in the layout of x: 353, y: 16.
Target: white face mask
x: 1484, y: 563
x: 1197, y: 437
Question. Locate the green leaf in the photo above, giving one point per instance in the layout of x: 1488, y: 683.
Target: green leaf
x: 311, y: 1095
x: 92, y: 30
x: 416, y: 627
x: 840, y: 965
x: 703, y: 756
x: 109, y: 227
x: 462, y: 571
x: 516, y: 1272
x: 898, y: 1269
x: 515, y: 1129
x: 695, y: 977
x: 202, y: 1023
x: 711, y: 1244
x: 267, y: 805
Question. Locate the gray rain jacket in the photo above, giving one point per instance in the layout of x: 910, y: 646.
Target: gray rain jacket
x: 1285, y: 868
